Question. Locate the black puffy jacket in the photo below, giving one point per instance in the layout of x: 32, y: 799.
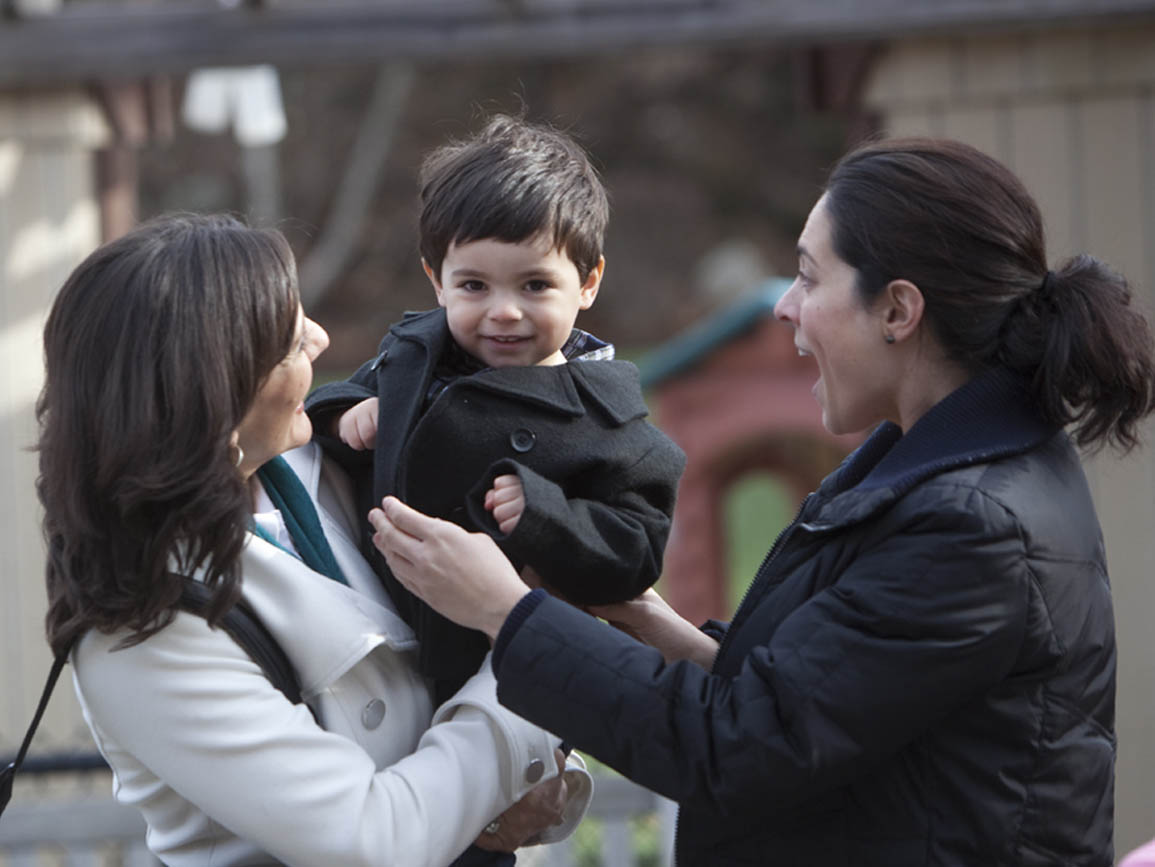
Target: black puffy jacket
x: 922, y: 673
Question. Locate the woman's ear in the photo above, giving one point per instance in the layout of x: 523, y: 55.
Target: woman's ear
x: 235, y: 451
x: 903, y: 306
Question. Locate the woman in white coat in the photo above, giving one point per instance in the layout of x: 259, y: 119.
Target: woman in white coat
x: 178, y: 358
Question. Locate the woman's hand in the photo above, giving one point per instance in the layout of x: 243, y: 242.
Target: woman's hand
x: 650, y: 620
x: 542, y: 807
x: 462, y: 575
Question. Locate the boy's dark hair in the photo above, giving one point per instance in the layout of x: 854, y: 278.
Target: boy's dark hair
x: 513, y: 181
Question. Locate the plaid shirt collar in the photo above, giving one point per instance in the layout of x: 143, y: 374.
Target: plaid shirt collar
x: 583, y: 346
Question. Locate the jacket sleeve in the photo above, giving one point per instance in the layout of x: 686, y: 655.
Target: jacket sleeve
x: 326, y: 402
x: 189, y: 709
x: 916, y: 626
x: 593, y: 550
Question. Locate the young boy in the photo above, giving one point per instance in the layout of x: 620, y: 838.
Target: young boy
x: 492, y: 410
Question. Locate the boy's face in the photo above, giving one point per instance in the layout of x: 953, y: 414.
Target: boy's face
x: 512, y: 305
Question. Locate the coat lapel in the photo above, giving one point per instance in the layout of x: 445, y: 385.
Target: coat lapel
x: 403, y: 377
x: 549, y: 388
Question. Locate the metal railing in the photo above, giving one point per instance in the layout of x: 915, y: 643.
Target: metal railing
x: 97, y: 832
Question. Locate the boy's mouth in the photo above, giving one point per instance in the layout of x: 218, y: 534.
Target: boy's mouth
x: 504, y: 338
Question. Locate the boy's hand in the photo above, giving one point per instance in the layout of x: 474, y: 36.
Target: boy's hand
x: 506, y: 500
x: 357, y: 426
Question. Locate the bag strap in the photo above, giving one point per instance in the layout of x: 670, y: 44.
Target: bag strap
x: 245, y: 628
x: 240, y: 623
x: 8, y: 775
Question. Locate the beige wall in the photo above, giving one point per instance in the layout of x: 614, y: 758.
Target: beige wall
x: 48, y: 222
x: 1073, y: 113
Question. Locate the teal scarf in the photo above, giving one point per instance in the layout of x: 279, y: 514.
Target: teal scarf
x: 300, y: 517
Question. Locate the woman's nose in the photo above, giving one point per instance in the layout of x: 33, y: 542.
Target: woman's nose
x: 787, y: 308
x: 318, y: 339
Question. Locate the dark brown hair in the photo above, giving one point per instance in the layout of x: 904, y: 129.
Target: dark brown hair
x: 155, y: 349
x: 961, y: 227
x: 512, y: 182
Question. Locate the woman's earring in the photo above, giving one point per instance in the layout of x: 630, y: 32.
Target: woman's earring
x: 240, y: 453
x: 890, y: 338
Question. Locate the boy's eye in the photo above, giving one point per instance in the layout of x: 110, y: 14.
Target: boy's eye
x: 537, y: 285
x: 473, y: 286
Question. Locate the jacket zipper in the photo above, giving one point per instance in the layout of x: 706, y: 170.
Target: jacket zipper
x: 760, y: 574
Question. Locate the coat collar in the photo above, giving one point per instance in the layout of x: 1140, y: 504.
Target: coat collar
x: 324, y: 627
x: 613, y: 386
x: 427, y: 327
x: 992, y: 416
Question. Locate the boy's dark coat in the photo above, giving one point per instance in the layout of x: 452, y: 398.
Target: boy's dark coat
x: 599, y: 480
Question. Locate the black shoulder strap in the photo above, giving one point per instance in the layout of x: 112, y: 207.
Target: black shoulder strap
x: 9, y: 773
x: 242, y: 625
x: 246, y: 629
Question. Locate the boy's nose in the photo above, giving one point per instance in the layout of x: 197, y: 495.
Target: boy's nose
x: 505, y: 311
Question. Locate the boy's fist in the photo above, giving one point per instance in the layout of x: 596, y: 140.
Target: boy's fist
x: 506, y: 500
x: 357, y: 426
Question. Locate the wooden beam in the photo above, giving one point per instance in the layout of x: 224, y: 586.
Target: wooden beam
x: 108, y: 39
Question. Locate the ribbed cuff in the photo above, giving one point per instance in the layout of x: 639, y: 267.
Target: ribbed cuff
x: 520, y: 613
x: 716, y: 629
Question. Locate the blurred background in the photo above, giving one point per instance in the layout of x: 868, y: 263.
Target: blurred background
x: 713, y: 123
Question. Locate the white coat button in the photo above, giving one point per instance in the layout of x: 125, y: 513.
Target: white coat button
x: 534, y: 771
x: 522, y: 439
x: 373, y: 713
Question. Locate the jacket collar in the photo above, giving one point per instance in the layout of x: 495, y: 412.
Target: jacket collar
x: 990, y: 417
x: 612, y: 386
x: 428, y: 327
x: 324, y: 627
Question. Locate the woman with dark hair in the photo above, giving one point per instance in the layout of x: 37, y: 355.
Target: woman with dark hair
x: 923, y: 670
x: 178, y: 358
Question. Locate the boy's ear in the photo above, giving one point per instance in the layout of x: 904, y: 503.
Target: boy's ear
x: 433, y: 279
x: 589, y: 290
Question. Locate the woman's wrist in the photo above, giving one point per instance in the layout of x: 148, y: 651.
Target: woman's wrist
x: 705, y: 651
x: 504, y: 601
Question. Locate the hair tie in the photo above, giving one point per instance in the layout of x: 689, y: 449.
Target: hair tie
x: 1046, y: 284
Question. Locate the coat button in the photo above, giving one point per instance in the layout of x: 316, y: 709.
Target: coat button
x: 522, y: 439
x: 373, y: 713
x: 534, y: 771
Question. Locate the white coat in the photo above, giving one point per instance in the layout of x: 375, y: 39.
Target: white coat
x: 227, y: 771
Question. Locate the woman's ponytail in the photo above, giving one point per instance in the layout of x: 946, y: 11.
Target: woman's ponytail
x: 960, y: 226
x: 1087, y: 351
